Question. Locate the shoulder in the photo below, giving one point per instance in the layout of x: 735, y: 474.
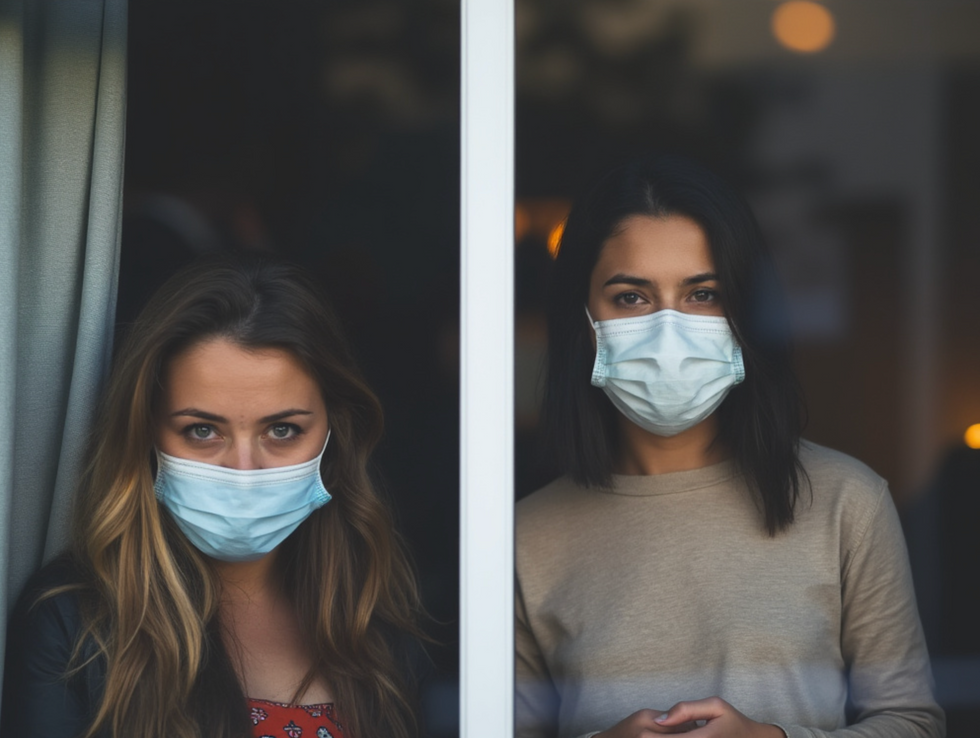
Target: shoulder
x: 61, y: 571
x: 552, y: 506
x: 60, y: 581
x: 549, y: 495
x: 42, y: 654
x: 843, y: 491
x: 838, y: 479
x: 830, y: 467
x: 47, y: 617
x: 558, y: 525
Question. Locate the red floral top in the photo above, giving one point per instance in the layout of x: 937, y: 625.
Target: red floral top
x: 277, y: 720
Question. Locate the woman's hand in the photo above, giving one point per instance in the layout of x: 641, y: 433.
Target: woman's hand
x: 717, y: 719
x: 642, y: 724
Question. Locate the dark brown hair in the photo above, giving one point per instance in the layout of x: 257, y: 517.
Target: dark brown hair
x: 762, y: 418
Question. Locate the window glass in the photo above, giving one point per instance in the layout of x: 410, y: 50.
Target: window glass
x: 854, y: 138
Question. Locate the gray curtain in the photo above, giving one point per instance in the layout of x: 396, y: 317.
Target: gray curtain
x: 62, y: 128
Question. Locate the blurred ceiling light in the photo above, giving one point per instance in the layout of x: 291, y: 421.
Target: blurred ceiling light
x: 972, y: 436
x: 803, y: 26
x: 554, y: 241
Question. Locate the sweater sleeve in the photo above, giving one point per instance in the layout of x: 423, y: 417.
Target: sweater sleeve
x: 881, y: 638
x: 39, y: 699
x: 536, y: 700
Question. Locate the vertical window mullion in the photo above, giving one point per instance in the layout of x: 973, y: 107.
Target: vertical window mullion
x: 486, y: 366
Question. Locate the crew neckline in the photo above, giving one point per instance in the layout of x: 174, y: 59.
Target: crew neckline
x: 650, y: 485
x: 291, y: 705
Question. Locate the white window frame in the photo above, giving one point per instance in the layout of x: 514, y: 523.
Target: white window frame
x: 486, y: 368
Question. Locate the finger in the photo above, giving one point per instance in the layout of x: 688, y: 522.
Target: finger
x: 688, y: 712
x: 658, y: 729
x: 682, y: 728
x: 645, y: 725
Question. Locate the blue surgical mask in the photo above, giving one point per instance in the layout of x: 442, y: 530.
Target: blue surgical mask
x: 238, y: 514
x: 666, y: 371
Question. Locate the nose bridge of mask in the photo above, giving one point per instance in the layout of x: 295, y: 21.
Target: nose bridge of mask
x: 689, y: 341
x: 243, y: 520
x: 250, y: 492
x: 237, y: 501
x: 665, y: 340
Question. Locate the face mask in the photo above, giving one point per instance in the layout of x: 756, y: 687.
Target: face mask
x: 666, y: 371
x: 238, y: 514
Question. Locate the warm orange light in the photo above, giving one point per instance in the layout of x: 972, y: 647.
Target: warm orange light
x: 972, y: 436
x: 554, y: 239
x: 522, y: 222
x: 803, y: 26
x: 541, y: 219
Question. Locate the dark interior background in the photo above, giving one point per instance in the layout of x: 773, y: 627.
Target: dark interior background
x: 328, y: 132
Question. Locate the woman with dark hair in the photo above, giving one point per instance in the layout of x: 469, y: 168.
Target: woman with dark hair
x: 210, y: 590
x: 698, y: 567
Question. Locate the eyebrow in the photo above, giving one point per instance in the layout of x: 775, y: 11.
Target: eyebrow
x: 193, y: 412
x: 627, y: 279
x: 641, y: 282
x: 699, y: 278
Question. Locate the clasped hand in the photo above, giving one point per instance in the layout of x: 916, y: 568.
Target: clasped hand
x: 709, y: 718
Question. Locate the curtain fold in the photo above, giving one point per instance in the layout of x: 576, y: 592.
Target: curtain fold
x: 62, y: 133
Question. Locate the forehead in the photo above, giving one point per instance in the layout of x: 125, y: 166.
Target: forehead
x: 218, y: 371
x: 657, y: 248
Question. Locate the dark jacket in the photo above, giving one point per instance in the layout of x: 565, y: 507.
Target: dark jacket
x: 40, y: 699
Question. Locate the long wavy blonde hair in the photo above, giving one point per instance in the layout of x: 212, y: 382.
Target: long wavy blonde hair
x: 151, y: 599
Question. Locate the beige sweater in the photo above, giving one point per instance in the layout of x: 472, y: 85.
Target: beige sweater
x: 667, y: 588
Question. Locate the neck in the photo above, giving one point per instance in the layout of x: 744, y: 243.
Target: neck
x: 644, y: 453
x: 248, y: 581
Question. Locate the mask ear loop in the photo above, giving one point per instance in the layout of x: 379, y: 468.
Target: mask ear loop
x: 599, y: 366
x: 319, y: 465
x: 592, y: 321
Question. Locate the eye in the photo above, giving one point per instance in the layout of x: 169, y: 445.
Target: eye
x: 628, y: 298
x: 283, y: 431
x: 200, y: 432
x: 704, y: 295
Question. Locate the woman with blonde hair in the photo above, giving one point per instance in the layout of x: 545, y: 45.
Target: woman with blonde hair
x: 209, y: 589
